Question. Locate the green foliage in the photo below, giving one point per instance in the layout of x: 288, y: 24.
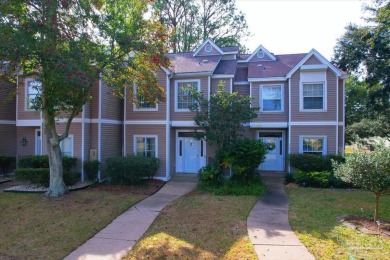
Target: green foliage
x: 366, y: 128
x: 6, y: 163
x: 315, y: 179
x: 253, y: 186
x: 42, y: 176
x: 42, y: 161
x: 314, y: 163
x: 131, y: 169
x: 195, y: 21
x: 91, y: 169
x: 210, y: 175
x: 245, y: 155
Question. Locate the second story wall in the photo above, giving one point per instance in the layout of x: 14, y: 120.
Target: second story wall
x: 7, y: 102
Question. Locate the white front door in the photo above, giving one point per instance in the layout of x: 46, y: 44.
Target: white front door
x: 274, y: 160
x: 190, y: 155
x: 38, y: 142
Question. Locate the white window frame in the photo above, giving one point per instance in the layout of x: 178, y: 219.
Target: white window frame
x: 324, y: 96
x: 177, y: 90
x: 324, y: 142
x: 145, y: 136
x: 72, y: 146
x: 281, y: 98
x: 26, y: 103
x: 137, y: 108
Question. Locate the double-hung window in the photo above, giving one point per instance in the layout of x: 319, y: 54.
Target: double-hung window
x: 146, y: 146
x: 313, y: 145
x: 271, y: 98
x: 33, y: 88
x: 183, y: 98
x: 313, y: 96
x: 67, y: 146
x: 142, y: 103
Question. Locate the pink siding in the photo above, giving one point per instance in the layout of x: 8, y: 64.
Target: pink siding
x: 215, y: 83
x: 7, y: 103
x: 328, y: 131
x: 329, y: 115
x: 29, y: 133
x: 111, y: 144
x: 341, y: 101
x: 173, y: 150
x: 270, y: 116
x: 186, y: 115
x: 341, y: 143
x: 158, y: 130
x: 23, y: 113
x: 229, y: 57
x: 242, y: 90
x: 75, y: 130
x: 8, y: 140
x: 203, y: 52
x: 312, y: 60
x: 112, y: 107
x: 94, y: 103
x: 160, y: 114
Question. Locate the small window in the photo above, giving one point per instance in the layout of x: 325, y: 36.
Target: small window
x: 33, y: 89
x: 260, y: 54
x: 313, y: 145
x: 271, y: 98
x: 183, y: 98
x: 208, y: 48
x: 146, y: 146
x: 143, y: 104
x: 67, y: 146
x: 313, y: 95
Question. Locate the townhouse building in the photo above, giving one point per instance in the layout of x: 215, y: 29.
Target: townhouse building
x: 300, y: 100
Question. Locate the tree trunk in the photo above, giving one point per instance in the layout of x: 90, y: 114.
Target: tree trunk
x: 376, y: 213
x: 57, y: 186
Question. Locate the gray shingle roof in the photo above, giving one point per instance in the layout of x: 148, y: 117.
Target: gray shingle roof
x: 186, y: 63
x: 226, y: 67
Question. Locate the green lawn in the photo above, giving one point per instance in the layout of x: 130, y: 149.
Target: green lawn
x: 313, y: 216
x: 35, y: 227
x: 199, y: 226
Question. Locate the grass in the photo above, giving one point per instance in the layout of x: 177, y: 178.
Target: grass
x: 36, y: 227
x: 313, y: 216
x: 199, y: 226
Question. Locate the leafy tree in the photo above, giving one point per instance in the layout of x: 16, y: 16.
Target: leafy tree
x: 365, y: 50
x: 369, y: 171
x: 195, y: 21
x: 367, y: 128
x: 222, y: 117
x: 68, y: 45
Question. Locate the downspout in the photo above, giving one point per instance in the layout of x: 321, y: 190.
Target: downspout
x: 100, y: 125
x: 337, y: 116
x: 343, y: 151
x: 82, y: 143
x: 168, y: 130
x: 289, y: 122
x: 124, y: 150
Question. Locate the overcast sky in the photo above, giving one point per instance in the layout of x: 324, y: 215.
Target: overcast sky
x: 297, y: 26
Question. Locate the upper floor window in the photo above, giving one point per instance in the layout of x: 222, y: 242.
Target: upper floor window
x: 67, y: 146
x: 144, y: 104
x: 271, y: 98
x: 32, y: 90
x: 145, y: 146
x: 313, y: 96
x: 313, y: 145
x: 183, y: 98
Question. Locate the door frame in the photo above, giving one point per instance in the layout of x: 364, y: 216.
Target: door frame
x: 284, y: 148
x: 36, y: 141
x: 177, y: 149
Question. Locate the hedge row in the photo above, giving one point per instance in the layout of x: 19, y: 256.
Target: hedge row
x: 314, y: 163
x: 42, y: 176
x: 42, y: 161
x: 6, y: 164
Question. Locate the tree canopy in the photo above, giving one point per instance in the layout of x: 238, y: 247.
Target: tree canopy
x: 68, y: 45
x: 195, y: 21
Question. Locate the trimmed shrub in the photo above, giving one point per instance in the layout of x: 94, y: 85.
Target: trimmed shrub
x: 315, y: 179
x: 42, y: 161
x: 314, y: 163
x: 6, y: 163
x: 91, y: 169
x: 210, y: 175
x: 42, y: 176
x: 131, y: 169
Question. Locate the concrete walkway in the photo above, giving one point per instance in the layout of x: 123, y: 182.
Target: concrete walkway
x: 268, y: 226
x: 115, y: 240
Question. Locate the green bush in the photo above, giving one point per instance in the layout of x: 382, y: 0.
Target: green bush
x: 42, y: 176
x: 316, y: 179
x: 289, y: 178
x: 210, y: 175
x: 131, y: 169
x: 91, y: 169
x: 6, y: 163
x: 314, y: 163
x: 42, y: 161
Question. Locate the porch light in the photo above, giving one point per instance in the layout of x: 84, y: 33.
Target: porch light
x: 24, y: 141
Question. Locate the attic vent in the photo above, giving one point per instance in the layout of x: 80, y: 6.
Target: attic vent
x: 203, y: 61
x: 259, y: 65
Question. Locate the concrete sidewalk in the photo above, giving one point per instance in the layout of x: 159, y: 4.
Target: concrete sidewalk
x: 115, y: 240
x: 268, y: 226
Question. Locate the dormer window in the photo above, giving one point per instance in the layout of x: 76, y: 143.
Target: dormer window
x: 208, y: 48
x: 260, y: 54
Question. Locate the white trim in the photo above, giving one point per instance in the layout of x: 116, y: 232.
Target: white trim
x: 320, y: 58
x: 7, y: 122
x: 26, y: 80
x: 262, y: 48
x: 141, y: 109
x: 324, y: 144
x: 314, y: 67
x: 250, y: 92
x: 124, y: 125
x: 82, y: 144
x: 145, y: 122
x: 324, y: 96
x: 337, y: 116
x: 183, y: 124
x: 167, y: 71
x: 35, y: 122
x: 316, y: 123
x: 268, y: 125
x: 284, y: 150
x: 177, y: 146
x: 100, y: 126
x: 167, y: 130
x: 281, y: 98
x: 17, y: 98
x: 266, y: 79
x: 145, y: 136
x: 209, y: 41
x: 343, y: 151
x: 192, y: 74
x: 72, y: 150
x: 161, y: 178
x: 289, y: 124
x: 222, y: 76
x: 231, y: 86
x: 35, y: 141
x: 208, y: 87
x: 241, y: 82
x: 176, y: 92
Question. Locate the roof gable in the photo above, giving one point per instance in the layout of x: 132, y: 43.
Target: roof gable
x: 261, y: 54
x: 208, y: 47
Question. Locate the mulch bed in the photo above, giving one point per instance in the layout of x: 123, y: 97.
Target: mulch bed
x: 147, y: 187
x: 367, y: 225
